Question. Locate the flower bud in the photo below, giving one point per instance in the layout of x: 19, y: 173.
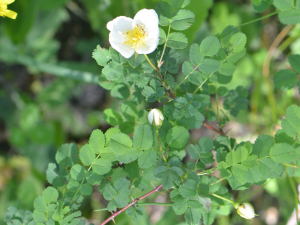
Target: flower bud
x: 155, y: 118
x: 246, y: 211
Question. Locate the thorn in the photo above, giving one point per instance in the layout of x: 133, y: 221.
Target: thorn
x: 153, y: 186
x: 113, y: 219
x: 160, y: 64
x: 228, y: 131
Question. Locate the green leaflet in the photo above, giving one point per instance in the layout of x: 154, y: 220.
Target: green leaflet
x: 177, y: 137
x: 120, y: 91
x: 291, y: 125
x: 164, y: 12
x: 291, y: 16
x: 209, y: 46
x: 182, y: 20
x: 192, y: 216
x: 168, y: 175
x: 147, y: 159
x: 177, y: 40
x: 195, y: 55
x: 188, y: 189
x: 237, y: 156
x: 112, y: 71
x: 78, y: 172
x: 283, y: 5
x: 129, y: 110
x: 284, y: 153
x: 97, y: 141
x: 238, y: 42
x: 262, y: 146
x: 294, y: 60
x: 101, y: 55
x: 87, y: 156
x: 121, y: 145
x: 112, y: 117
x: 143, y: 137
x: 285, y: 79
x: 67, y: 155
x: 101, y: 166
x: 201, y: 150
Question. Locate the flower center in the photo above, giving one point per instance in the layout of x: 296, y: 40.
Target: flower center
x: 136, y: 36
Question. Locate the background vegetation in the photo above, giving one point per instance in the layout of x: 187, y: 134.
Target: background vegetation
x: 50, y: 93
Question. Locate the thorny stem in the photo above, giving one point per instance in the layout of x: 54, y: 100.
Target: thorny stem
x: 130, y: 204
x: 151, y: 63
x: 165, y: 45
x: 214, y: 129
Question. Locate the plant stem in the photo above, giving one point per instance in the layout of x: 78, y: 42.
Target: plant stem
x: 165, y: 45
x: 217, y: 101
x: 206, y: 171
x: 145, y: 203
x: 292, y: 183
x: 155, y: 203
x: 266, y: 71
x: 160, y: 148
x: 218, y: 196
x: 151, y: 63
x: 217, y: 181
x: 258, y: 19
x: 202, y: 83
x: 291, y: 165
x: 253, y: 193
x: 83, y: 180
x: 130, y: 204
x: 214, y: 129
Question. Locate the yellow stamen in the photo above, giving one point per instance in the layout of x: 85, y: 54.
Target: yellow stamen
x: 136, y: 36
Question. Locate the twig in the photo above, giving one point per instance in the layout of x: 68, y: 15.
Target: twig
x: 214, y: 129
x: 130, y: 204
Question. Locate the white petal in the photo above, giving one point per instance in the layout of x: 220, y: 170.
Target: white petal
x: 145, y: 49
x: 120, y: 24
x: 156, y: 117
x: 147, y: 17
x: 116, y: 40
x: 150, y: 116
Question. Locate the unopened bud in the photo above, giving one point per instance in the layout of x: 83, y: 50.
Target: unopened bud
x: 246, y: 211
x: 155, y: 118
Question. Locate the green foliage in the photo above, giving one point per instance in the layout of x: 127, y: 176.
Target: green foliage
x: 132, y: 156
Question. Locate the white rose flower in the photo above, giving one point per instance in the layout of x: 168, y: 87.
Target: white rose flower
x: 155, y: 118
x: 140, y: 34
x: 246, y: 211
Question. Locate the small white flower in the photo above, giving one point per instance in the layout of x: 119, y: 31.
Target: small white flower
x: 155, y: 118
x: 140, y: 34
x: 246, y: 211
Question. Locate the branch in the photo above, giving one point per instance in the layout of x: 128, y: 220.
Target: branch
x: 130, y: 204
x: 214, y: 129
